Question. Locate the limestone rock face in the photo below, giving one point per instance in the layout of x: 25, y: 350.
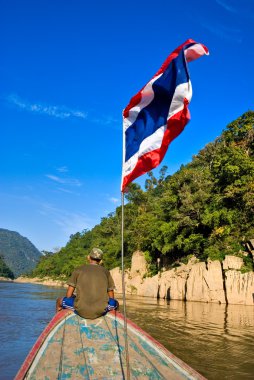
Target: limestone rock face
x: 214, y: 280
x: 239, y: 287
x: 134, y: 277
x: 138, y: 264
x: 173, y: 283
x: 149, y: 287
x: 133, y: 284
x: 196, y: 281
x: 197, y: 288
x: 137, y: 272
x: 206, y: 284
x: 164, y: 284
x: 232, y: 262
x: 177, y: 290
x: 116, y: 274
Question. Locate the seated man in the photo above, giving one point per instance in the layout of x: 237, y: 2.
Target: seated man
x: 94, y: 288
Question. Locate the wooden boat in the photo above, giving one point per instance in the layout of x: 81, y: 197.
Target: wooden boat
x: 75, y: 348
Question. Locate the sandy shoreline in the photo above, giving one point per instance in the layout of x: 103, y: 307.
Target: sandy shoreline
x: 42, y: 281
x: 6, y: 279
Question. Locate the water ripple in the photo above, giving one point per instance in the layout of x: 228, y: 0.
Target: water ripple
x: 216, y: 340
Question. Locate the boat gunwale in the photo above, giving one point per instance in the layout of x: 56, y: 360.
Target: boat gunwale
x: 39, y: 342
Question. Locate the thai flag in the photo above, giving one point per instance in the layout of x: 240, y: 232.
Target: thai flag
x: 158, y: 113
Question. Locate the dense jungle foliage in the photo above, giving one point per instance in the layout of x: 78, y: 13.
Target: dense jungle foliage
x: 206, y: 209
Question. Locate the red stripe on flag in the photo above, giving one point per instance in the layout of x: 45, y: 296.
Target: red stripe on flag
x: 136, y: 99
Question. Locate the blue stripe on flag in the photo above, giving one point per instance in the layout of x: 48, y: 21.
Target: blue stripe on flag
x: 155, y: 114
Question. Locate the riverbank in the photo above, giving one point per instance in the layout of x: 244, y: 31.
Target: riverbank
x: 42, y: 281
x: 211, y: 282
x: 6, y: 279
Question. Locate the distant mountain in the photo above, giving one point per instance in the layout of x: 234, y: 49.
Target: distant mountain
x: 5, y: 270
x: 18, y: 253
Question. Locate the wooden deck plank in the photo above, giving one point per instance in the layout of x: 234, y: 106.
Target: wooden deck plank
x: 77, y: 349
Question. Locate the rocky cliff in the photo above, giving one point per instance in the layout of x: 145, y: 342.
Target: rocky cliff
x: 196, y: 281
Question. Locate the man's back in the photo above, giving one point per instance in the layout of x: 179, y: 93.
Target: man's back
x: 92, y: 283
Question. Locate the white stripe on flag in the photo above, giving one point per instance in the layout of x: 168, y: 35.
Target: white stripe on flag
x: 147, y: 97
x: 154, y: 141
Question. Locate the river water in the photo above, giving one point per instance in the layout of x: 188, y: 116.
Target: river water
x: 216, y: 340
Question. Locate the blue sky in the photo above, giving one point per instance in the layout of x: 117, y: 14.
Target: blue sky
x: 67, y: 70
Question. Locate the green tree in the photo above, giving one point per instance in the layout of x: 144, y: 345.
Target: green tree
x: 206, y: 208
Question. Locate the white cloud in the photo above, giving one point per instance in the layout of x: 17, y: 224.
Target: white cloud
x: 108, y: 121
x: 105, y: 120
x: 70, y: 222
x: 66, y: 191
x: 62, y: 169
x: 240, y: 8
x: 114, y: 200
x: 55, y: 178
x: 61, y: 112
x: 65, y: 181
x: 228, y: 7
x: 224, y: 32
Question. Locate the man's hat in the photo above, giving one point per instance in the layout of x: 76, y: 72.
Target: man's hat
x: 96, y: 254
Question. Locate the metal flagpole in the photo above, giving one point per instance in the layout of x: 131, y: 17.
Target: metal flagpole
x: 124, y: 298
